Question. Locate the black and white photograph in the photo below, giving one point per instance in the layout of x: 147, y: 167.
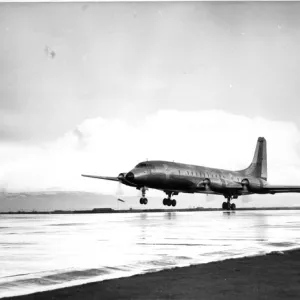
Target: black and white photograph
x: 150, y: 150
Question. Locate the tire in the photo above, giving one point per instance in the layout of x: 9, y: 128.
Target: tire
x: 165, y: 201
x: 232, y: 206
x: 224, y: 205
x: 173, y: 202
x: 145, y: 201
x: 169, y: 202
x: 142, y: 201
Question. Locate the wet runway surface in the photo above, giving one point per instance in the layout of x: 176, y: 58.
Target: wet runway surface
x: 42, y: 252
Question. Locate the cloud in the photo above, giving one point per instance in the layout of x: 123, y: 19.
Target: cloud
x: 110, y: 146
x: 169, y: 52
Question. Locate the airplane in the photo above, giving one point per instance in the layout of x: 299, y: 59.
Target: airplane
x: 174, y: 178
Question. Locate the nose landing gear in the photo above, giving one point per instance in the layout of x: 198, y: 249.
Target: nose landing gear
x: 143, y: 200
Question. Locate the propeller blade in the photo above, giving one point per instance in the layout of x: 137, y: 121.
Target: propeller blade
x: 119, y: 191
x: 247, y: 199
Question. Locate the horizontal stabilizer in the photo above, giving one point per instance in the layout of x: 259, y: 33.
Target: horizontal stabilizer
x: 274, y: 189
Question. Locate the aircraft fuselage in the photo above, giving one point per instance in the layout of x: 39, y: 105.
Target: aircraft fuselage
x: 178, y: 177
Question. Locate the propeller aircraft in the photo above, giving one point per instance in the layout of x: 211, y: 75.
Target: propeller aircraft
x: 174, y: 178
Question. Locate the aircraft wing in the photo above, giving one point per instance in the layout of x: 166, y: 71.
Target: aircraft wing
x: 274, y: 189
x: 101, y: 177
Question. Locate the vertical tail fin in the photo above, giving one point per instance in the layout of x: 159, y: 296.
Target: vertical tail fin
x: 258, y: 167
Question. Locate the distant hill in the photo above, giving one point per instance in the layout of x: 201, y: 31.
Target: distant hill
x: 68, y: 200
x: 47, y: 201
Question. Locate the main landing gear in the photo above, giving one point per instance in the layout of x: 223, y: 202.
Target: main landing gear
x: 168, y: 201
x: 143, y: 200
x: 227, y: 205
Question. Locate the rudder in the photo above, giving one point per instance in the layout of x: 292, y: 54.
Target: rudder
x: 258, y: 167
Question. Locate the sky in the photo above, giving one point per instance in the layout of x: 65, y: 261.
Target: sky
x: 96, y: 88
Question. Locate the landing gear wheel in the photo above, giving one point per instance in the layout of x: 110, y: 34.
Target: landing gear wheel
x: 224, y: 205
x: 143, y: 200
x: 232, y: 206
x: 168, y: 201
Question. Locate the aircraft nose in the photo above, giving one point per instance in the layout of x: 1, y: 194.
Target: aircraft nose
x: 130, y: 176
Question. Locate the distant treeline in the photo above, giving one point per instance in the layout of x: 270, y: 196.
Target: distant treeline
x: 110, y: 210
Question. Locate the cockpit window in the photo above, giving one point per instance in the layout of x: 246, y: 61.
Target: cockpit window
x: 143, y: 165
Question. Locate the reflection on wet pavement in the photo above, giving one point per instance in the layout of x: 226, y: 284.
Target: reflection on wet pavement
x: 39, y: 252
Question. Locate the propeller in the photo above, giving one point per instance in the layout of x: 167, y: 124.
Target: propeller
x: 247, y: 199
x: 209, y: 198
x: 205, y: 183
x: 119, y: 191
x: 121, y: 177
x: 245, y: 185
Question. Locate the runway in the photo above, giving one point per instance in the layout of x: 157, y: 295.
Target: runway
x: 42, y: 252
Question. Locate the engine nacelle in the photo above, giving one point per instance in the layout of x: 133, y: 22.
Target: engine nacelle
x: 252, y: 184
x: 121, y: 176
x: 122, y: 179
x: 214, y: 184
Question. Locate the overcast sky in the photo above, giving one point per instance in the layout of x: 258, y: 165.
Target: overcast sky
x: 98, y: 87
